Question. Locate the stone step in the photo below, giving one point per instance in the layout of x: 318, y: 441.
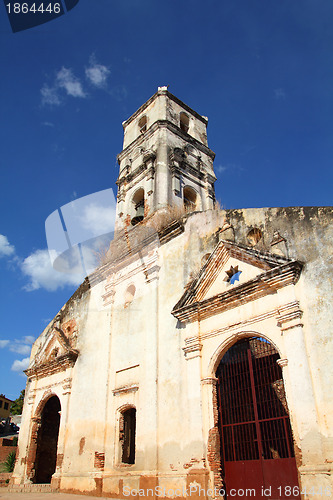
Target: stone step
x: 30, y: 488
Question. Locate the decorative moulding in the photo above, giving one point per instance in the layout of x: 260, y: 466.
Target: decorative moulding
x: 48, y: 359
x: 277, y: 273
x: 125, y: 389
x: 290, y: 317
x: 192, y: 348
x: 59, y: 364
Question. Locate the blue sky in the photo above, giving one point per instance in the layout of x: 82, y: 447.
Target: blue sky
x: 261, y: 70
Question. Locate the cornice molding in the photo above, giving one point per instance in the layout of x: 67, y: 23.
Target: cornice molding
x: 264, y: 284
x: 125, y: 389
x: 57, y: 365
x: 278, y: 272
x: 282, y: 362
x: 209, y: 381
x: 140, y: 140
x: 166, y: 93
x: 192, y: 348
x: 234, y: 328
x: 290, y: 317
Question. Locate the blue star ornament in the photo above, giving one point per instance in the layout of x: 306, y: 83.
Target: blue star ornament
x: 232, y: 275
x: 235, y: 277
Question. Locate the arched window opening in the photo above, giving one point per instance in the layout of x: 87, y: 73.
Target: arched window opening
x: 143, y: 124
x: 139, y: 206
x: 190, y: 199
x: 184, y: 122
x: 127, y: 430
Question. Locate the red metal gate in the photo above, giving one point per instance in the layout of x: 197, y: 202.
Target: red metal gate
x: 257, y: 450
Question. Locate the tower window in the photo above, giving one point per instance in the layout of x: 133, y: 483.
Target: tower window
x: 127, y: 435
x: 143, y: 124
x: 139, y: 207
x: 184, y: 122
x: 190, y: 199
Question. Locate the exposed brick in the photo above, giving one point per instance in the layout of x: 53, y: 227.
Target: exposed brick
x: 99, y: 460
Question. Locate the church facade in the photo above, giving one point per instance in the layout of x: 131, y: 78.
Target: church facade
x: 197, y: 359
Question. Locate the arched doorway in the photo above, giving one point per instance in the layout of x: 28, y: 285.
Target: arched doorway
x: 257, y: 451
x: 47, y: 441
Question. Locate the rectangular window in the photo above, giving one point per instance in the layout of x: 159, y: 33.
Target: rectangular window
x: 5, y: 406
x: 0, y: 404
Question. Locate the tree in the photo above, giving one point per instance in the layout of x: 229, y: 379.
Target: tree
x: 9, y: 463
x: 17, y: 405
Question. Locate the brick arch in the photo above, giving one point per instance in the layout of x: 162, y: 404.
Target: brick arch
x: 46, y: 396
x: 36, y: 424
x: 126, y: 406
x: 229, y: 342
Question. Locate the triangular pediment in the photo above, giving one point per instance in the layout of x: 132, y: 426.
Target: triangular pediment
x: 53, y: 347
x: 231, y: 273
x: 55, y: 354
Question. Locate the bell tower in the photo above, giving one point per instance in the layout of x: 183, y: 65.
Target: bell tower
x: 165, y: 160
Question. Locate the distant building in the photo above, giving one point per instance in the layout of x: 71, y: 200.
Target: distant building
x: 5, y: 405
x: 197, y: 360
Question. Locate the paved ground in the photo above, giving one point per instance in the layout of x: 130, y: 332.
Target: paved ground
x: 5, y: 495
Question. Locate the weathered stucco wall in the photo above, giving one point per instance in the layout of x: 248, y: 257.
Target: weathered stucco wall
x: 308, y: 232
x: 135, y: 353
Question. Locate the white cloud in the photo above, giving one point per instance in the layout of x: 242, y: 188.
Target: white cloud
x: 38, y: 268
x: 279, y: 94
x: 48, y: 124
x: 97, y: 74
x: 98, y: 219
x: 6, y: 249
x: 28, y: 339
x: 69, y: 82
x: 65, y: 80
x: 233, y: 168
x: 119, y: 93
x: 220, y: 168
x: 20, y: 365
x: 20, y: 348
x: 50, y: 95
